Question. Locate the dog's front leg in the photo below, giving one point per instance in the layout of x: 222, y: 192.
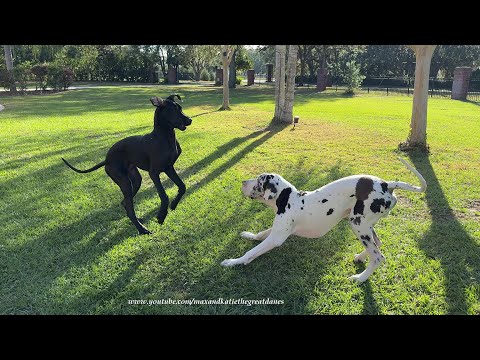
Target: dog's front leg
x: 172, y: 174
x: 274, y: 240
x: 162, y: 213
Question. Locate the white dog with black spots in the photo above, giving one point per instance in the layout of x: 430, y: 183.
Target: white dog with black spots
x: 363, y: 199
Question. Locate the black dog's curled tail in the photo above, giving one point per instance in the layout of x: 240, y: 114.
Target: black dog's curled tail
x: 84, y: 171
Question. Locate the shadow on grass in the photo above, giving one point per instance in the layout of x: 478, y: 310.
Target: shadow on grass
x: 57, y: 250
x: 447, y: 241
x: 290, y: 272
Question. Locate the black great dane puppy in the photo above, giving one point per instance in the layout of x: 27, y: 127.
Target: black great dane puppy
x: 155, y: 152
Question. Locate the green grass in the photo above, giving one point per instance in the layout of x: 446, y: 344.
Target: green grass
x: 66, y: 246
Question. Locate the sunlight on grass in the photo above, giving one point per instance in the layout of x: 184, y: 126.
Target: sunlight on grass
x: 66, y: 246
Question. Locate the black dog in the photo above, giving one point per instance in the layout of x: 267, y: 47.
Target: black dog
x: 155, y: 152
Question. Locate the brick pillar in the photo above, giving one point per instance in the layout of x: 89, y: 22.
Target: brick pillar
x: 219, y: 77
x: 172, y: 75
x: 269, y: 72
x: 250, y: 77
x: 321, y: 79
x: 461, y: 78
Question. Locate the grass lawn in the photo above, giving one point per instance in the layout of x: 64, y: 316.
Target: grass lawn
x: 66, y: 246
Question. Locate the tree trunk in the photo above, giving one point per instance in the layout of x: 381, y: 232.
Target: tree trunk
x: 418, y: 125
x: 233, y: 72
x: 9, y: 63
x: 280, y: 51
x: 291, y: 72
x: 226, y: 57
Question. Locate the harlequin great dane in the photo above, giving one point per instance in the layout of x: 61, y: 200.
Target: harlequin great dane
x: 363, y: 199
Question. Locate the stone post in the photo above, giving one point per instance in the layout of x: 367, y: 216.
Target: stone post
x: 172, y: 76
x: 250, y: 77
x: 219, y: 77
x: 269, y: 72
x: 461, y: 79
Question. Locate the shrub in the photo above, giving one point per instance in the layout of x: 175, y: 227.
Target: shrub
x: 351, y: 77
x: 54, y: 77
x: 67, y: 77
x: 238, y: 81
x: 204, y: 75
x: 22, y: 75
x: 40, y: 73
x: 211, y: 77
x: 6, y: 79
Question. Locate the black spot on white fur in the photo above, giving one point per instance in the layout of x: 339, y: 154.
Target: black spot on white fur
x: 324, y: 200
x: 363, y: 188
x: 375, y: 206
x: 365, y: 237
x: 387, y: 204
x: 384, y: 186
x: 359, y: 207
x: 352, y: 195
x: 330, y: 212
x: 364, y: 243
x: 302, y: 193
x: 282, y: 200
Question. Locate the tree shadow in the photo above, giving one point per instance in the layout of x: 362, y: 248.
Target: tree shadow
x: 448, y: 241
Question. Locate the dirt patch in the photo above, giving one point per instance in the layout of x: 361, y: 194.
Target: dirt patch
x: 474, y: 205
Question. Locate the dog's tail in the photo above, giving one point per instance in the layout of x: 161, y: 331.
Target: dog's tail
x: 84, y: 171
x: 402, y: 185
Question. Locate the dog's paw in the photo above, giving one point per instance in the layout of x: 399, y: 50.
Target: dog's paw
x: 161, y: 218
x: 357, y: 278
x: 359, y: 258
x: 144, y: 231
x: 229, y: 262
x: 247, y: 235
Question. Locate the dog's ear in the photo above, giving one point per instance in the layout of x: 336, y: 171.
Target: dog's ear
x: 156, y: 101
x: 173, y: 96
x: 269, y: 188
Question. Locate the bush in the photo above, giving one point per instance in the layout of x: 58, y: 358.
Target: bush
x: 59, y: 77
x: 67, y: 77
x: 351, y: 77
x: 211, y: 77
x: 54, y: 77
x: 204, y: 75
x: 40, y: 73
x: 6, y: 79
x: 238, y: 81
x: 22, y: 75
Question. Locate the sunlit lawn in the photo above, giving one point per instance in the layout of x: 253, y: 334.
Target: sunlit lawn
x: 66, y: 246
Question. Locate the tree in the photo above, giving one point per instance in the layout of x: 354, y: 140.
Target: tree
x: 351, y: 76
x: 198, y: 57
x: 284, y: 97
x: 280, y: 51
x: 289, y: 93
x: 418, y: 125
x: 227, y: 53
x: 232, y: 71
x: 9, y: 62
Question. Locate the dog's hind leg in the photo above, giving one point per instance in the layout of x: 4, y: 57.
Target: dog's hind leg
x: 368, y: 238
x: 172, y: 174
x: 135, y: 179
x: 262, y: 235
x: 120, y: 177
